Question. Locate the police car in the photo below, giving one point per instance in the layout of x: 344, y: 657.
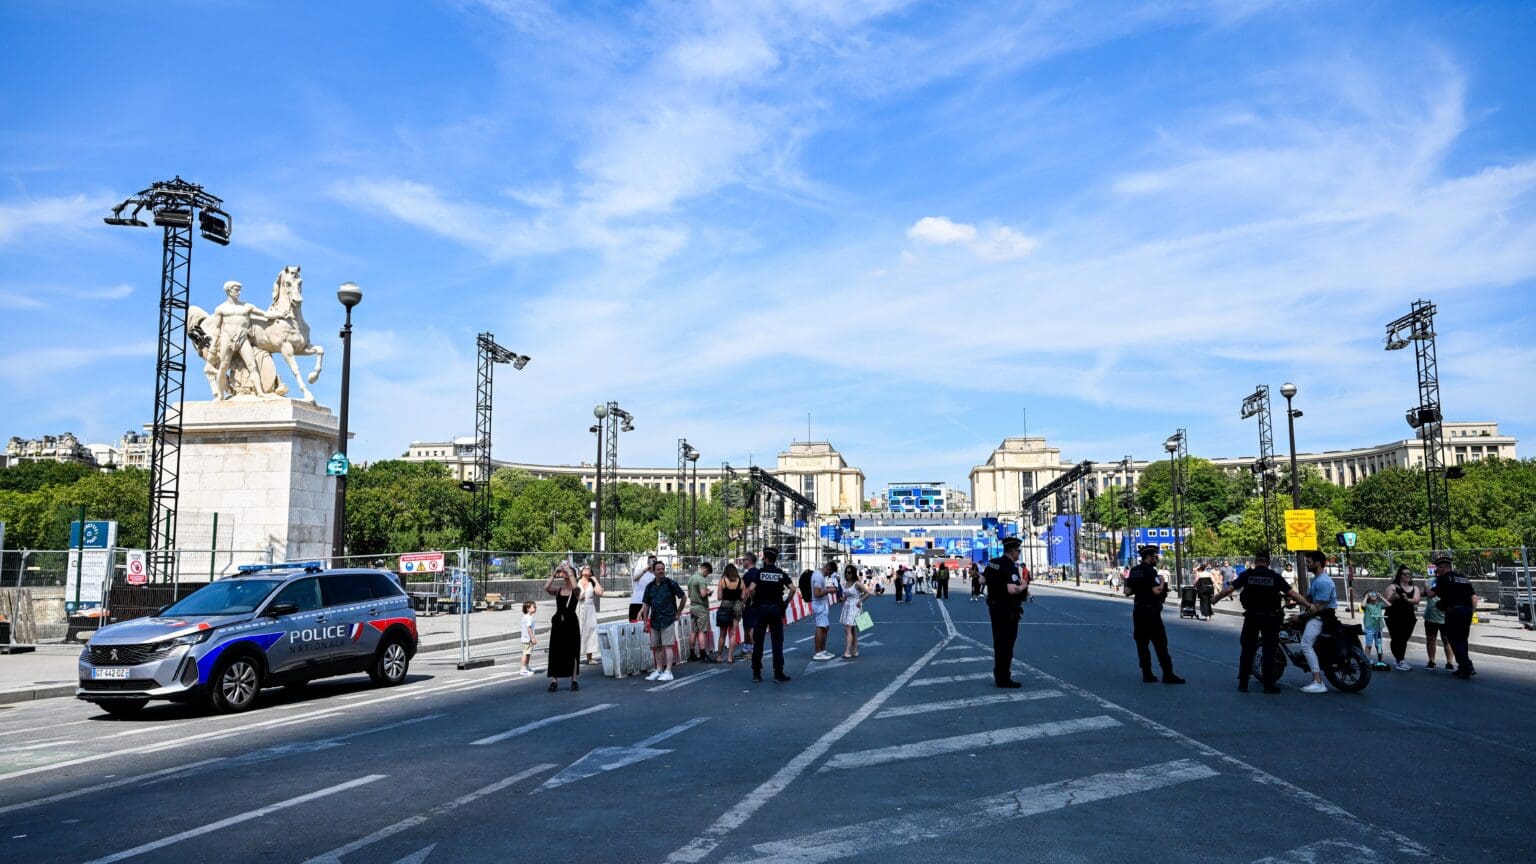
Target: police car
x: 282, y: 625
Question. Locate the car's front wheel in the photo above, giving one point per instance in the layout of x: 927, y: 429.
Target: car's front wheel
x: 391, y: 663
x: 235, y: 683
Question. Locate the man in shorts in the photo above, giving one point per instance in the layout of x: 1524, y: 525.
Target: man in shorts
x: 663, y: 604
x: 823, y: 586
x: 702, y: 645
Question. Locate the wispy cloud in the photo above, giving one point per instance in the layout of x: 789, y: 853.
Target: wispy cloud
x: 31, y: 216
x: 998, y: 243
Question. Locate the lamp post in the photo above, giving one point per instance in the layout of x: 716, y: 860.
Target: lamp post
x: 693, y: 504
x: 350, y: 295
x: 1173, y: 446
x: 1288, y: 390
x: 601, y: 413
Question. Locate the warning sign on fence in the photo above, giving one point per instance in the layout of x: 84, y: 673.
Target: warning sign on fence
x: 136, y: 571
x: 422, y: 562
x: 1300, y: 530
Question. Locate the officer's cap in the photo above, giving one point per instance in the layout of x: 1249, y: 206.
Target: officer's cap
x: 1261, y: 555
x: 1148, y: 549
x: 1010, y: 542
x: 1443, y: 558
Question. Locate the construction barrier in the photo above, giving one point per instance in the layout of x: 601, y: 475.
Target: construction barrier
x: 625, y: 648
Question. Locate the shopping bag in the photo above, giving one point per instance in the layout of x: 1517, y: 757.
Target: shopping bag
x: 864, y: 621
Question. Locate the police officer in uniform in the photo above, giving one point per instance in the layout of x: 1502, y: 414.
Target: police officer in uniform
x: 767, y: 595
x: 1262, y: 590
x: 1454, y: 593
x: 1149, y: 590
x: 1005, y: 599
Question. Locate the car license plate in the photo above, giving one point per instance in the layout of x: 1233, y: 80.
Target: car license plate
x: 98, y: 674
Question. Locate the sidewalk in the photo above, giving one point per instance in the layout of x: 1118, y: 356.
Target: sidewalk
x: 51, y: 670
x: 1496, y: 635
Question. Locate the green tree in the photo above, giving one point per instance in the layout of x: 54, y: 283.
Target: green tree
x: 397, y: 506
x: 35, y: 476
x: 1209, y: 496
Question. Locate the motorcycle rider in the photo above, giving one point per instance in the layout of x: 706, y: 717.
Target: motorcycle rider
x: 1324, y: 604
x: 1262, y: 590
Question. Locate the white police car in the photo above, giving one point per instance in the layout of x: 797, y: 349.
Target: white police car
x: 264, y: 627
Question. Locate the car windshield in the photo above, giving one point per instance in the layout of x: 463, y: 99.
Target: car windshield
x: 226, y: 597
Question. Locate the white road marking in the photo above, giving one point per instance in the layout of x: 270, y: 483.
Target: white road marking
x: 418, y: 856
x: 707, y: 841
x: 50, y: 727
x: 613, y: 758
x: 961, y: 743
x: 950, y: 679
x: 686, y: 680
x: 538, y: 724
x: 1315, y: 802
x: 237, y: 819
x: 41, y: 745
x: 958, y: 648
x: 297, y: 748
x: 334, y: 856
x: 953, y: 704
x: 1325, y: 852
x: 961, y: 660
x: 125, y: 781
x: 806, y: 639
x: 226, y: 733
x: 976, y: 815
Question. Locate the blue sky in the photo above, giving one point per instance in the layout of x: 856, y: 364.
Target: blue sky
x: 910, y: 220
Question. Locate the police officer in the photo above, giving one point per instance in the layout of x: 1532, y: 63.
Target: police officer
x: 1005, y: 598
x: 1149, y: 590
x: 767, y: 594
x: 1454, y: 593
x: 1262, y: 590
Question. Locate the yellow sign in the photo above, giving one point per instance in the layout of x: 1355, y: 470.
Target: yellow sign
x: 1300, y: 530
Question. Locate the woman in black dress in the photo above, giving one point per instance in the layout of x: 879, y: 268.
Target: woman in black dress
x: 564, y: 628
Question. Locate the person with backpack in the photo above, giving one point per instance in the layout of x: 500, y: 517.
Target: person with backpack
x: 817, y: 588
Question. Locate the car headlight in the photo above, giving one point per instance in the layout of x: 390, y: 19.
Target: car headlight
x: 189, y: 639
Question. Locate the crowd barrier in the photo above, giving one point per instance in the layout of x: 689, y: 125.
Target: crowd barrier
x: 625, y: 647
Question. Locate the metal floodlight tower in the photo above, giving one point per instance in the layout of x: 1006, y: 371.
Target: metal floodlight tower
x: 173, y: 205
x: 685, y: 454
x: 1417, y: 328
x: 490, y: 354
x: 1178, y: 450
x: 617, y: 420
x: 727, y: 491
x: 1257, y: 405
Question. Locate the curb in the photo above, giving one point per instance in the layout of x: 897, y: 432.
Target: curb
x: 28, y: 694
x: 1417, y: 638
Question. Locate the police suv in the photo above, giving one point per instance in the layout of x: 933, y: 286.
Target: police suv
x: 267, y: 626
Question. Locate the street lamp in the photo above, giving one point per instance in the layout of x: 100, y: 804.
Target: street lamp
x: 1172, y: 446
x: 693, y: 495
x: 1288, y: 390
x: 350, y: 295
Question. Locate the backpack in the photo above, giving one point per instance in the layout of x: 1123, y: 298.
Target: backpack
x: 805, y: 586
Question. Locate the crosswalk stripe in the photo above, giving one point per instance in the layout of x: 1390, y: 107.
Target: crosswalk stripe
x: 863, y: 838
x: 954, y: 704
x: 949, y: 679
x: 958, y: 743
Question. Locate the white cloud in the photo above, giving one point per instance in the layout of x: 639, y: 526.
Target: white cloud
x: 941, y: 231
x: 29, y: 216
x: 999, y: 243
x: 120, y: 291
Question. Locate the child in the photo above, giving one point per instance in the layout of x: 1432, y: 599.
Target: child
x: 1374, y: 610
x: 530, y: 638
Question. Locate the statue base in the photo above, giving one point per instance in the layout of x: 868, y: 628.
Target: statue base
x: 260, y: 465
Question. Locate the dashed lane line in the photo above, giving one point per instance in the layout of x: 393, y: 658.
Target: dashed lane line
x: 950, y: 679
x: 962, y: 743
x: 977, y: 815
x: 538, y: 724
x: 973, y: 702
x: 111, y: 784
x: 236, y: 819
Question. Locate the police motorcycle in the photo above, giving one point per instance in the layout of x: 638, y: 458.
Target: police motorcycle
x: 1340, y: 653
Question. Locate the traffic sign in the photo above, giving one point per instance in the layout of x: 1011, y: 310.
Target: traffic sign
x: 136, y: 571
x: 1347, y: 539
x: 1301, y: 530
x: 422, y: 562
x: 337, y: 465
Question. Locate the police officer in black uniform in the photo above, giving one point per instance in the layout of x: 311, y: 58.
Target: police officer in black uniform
x: 1005, y: 599
x: 1149, y: 590
x: 1454, y: 593
x: 1262, y: 590
x: 766, y: 595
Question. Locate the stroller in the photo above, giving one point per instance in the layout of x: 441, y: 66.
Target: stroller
x: 1187, y: 601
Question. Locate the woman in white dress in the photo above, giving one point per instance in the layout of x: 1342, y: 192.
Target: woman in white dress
x: 854, y: 592
x: 591, y: 589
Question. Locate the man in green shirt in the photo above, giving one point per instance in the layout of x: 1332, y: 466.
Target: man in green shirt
x: 702, y: 646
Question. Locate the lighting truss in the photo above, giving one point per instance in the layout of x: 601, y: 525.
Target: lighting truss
x: 490, y: 354
x: 1258, y: 405
x: 1417, y: 328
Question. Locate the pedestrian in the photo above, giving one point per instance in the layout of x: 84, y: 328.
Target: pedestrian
x: 823, y: 586
x: 1373, y: 616
x: 591, y: 590
x: 643, y: 577
x: 767, y: 594
x: 1262, y: 591
x: 662, y: 606
x: 975, y: 573
x: 530, y: 636
x: 1402, y: 602
x: 1458, y: 601
x: 855, y: 590
x: 1324, y: 600
x: 1005, y: 599
x: 1434, y: 631
x: 749, y: 612
x: 729, y: 613
x: 1205, y: 587
x: 1149, y: 591
x: 941, y: 584
x: 701, y: 645
x: 564, y: 627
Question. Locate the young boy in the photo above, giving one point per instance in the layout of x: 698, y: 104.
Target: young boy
x: 530, y: 638
x: 1374, y: 615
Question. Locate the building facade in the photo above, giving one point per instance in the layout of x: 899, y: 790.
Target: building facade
x: 816, y: 470
x: 48, y: 448
x: 1012, y: 473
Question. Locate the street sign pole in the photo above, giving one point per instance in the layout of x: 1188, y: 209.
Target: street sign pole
x: 80, y: 559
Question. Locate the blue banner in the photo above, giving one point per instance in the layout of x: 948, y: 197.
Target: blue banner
x: 1060, y: 540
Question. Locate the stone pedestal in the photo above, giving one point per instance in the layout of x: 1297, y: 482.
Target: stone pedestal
x: 260, y: 465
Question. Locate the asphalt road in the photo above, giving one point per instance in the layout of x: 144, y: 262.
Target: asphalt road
x: 907, y: 754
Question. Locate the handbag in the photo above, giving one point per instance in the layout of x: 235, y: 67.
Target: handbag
x: 865, y: 621
x: 724, y: 617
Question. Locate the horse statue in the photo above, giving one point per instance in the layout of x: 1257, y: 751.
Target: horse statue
x: 286, y: 333
x: 281, y: 330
